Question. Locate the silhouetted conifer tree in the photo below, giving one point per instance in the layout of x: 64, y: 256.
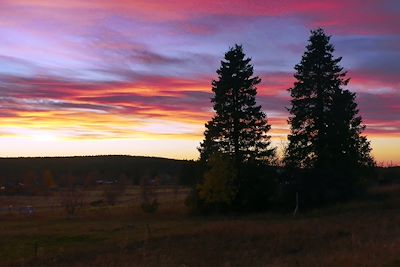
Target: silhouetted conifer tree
x: 239, y: 128
x: 325, y: 126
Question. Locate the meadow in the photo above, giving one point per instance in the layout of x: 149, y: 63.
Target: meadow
x: 364, y: 232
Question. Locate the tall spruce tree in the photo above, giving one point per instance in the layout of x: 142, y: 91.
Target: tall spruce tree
x: 239, y: 128
x: 326, y: 130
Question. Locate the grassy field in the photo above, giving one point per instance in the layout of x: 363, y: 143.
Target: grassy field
x: 365, y: 232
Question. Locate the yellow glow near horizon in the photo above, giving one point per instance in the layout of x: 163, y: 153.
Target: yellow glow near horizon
x: 170, y: 148
x: 385, y: 150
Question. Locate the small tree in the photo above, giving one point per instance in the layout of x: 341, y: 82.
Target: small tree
x: 90, y: 179
x: 48, y: 182
x: 219, y: 184
x: 112, y: 192
x: 30, y: 183
x: 71, y: 200
x: 149, y: 199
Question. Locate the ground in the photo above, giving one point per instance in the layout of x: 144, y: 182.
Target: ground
x: 364, y: 232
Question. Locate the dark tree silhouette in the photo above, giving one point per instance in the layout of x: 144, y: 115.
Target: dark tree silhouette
x: 325, y: 126
x: 239, y: 128
x: 236, y: 146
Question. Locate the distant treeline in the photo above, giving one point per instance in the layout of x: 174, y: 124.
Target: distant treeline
x: 86, y: 170
x: 44, y: 173
x: 387, y: 175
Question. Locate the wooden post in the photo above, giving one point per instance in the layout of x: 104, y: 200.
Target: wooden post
x: 297, y: 205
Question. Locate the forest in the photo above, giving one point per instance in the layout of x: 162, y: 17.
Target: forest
x: 88, y: 170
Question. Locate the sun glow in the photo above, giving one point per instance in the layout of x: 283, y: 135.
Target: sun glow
x: 33, y: 135
x: 44, y: 137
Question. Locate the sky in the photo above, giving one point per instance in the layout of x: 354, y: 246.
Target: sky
x: 134, y: 77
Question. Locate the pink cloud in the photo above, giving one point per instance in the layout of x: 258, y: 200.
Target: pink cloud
x: 355, y: 16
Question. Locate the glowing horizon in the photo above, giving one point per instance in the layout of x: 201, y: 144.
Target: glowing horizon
x: 134, y: 77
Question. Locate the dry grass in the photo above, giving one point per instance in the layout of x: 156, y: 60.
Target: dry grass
x: 361, y: 233
x: 170, y: 196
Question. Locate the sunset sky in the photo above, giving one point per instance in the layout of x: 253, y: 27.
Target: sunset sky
x: 133, y: 77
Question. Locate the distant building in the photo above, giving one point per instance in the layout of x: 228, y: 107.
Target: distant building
x: 106, y: 181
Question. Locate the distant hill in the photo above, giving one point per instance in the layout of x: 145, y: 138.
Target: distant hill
x: 87, y: 169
